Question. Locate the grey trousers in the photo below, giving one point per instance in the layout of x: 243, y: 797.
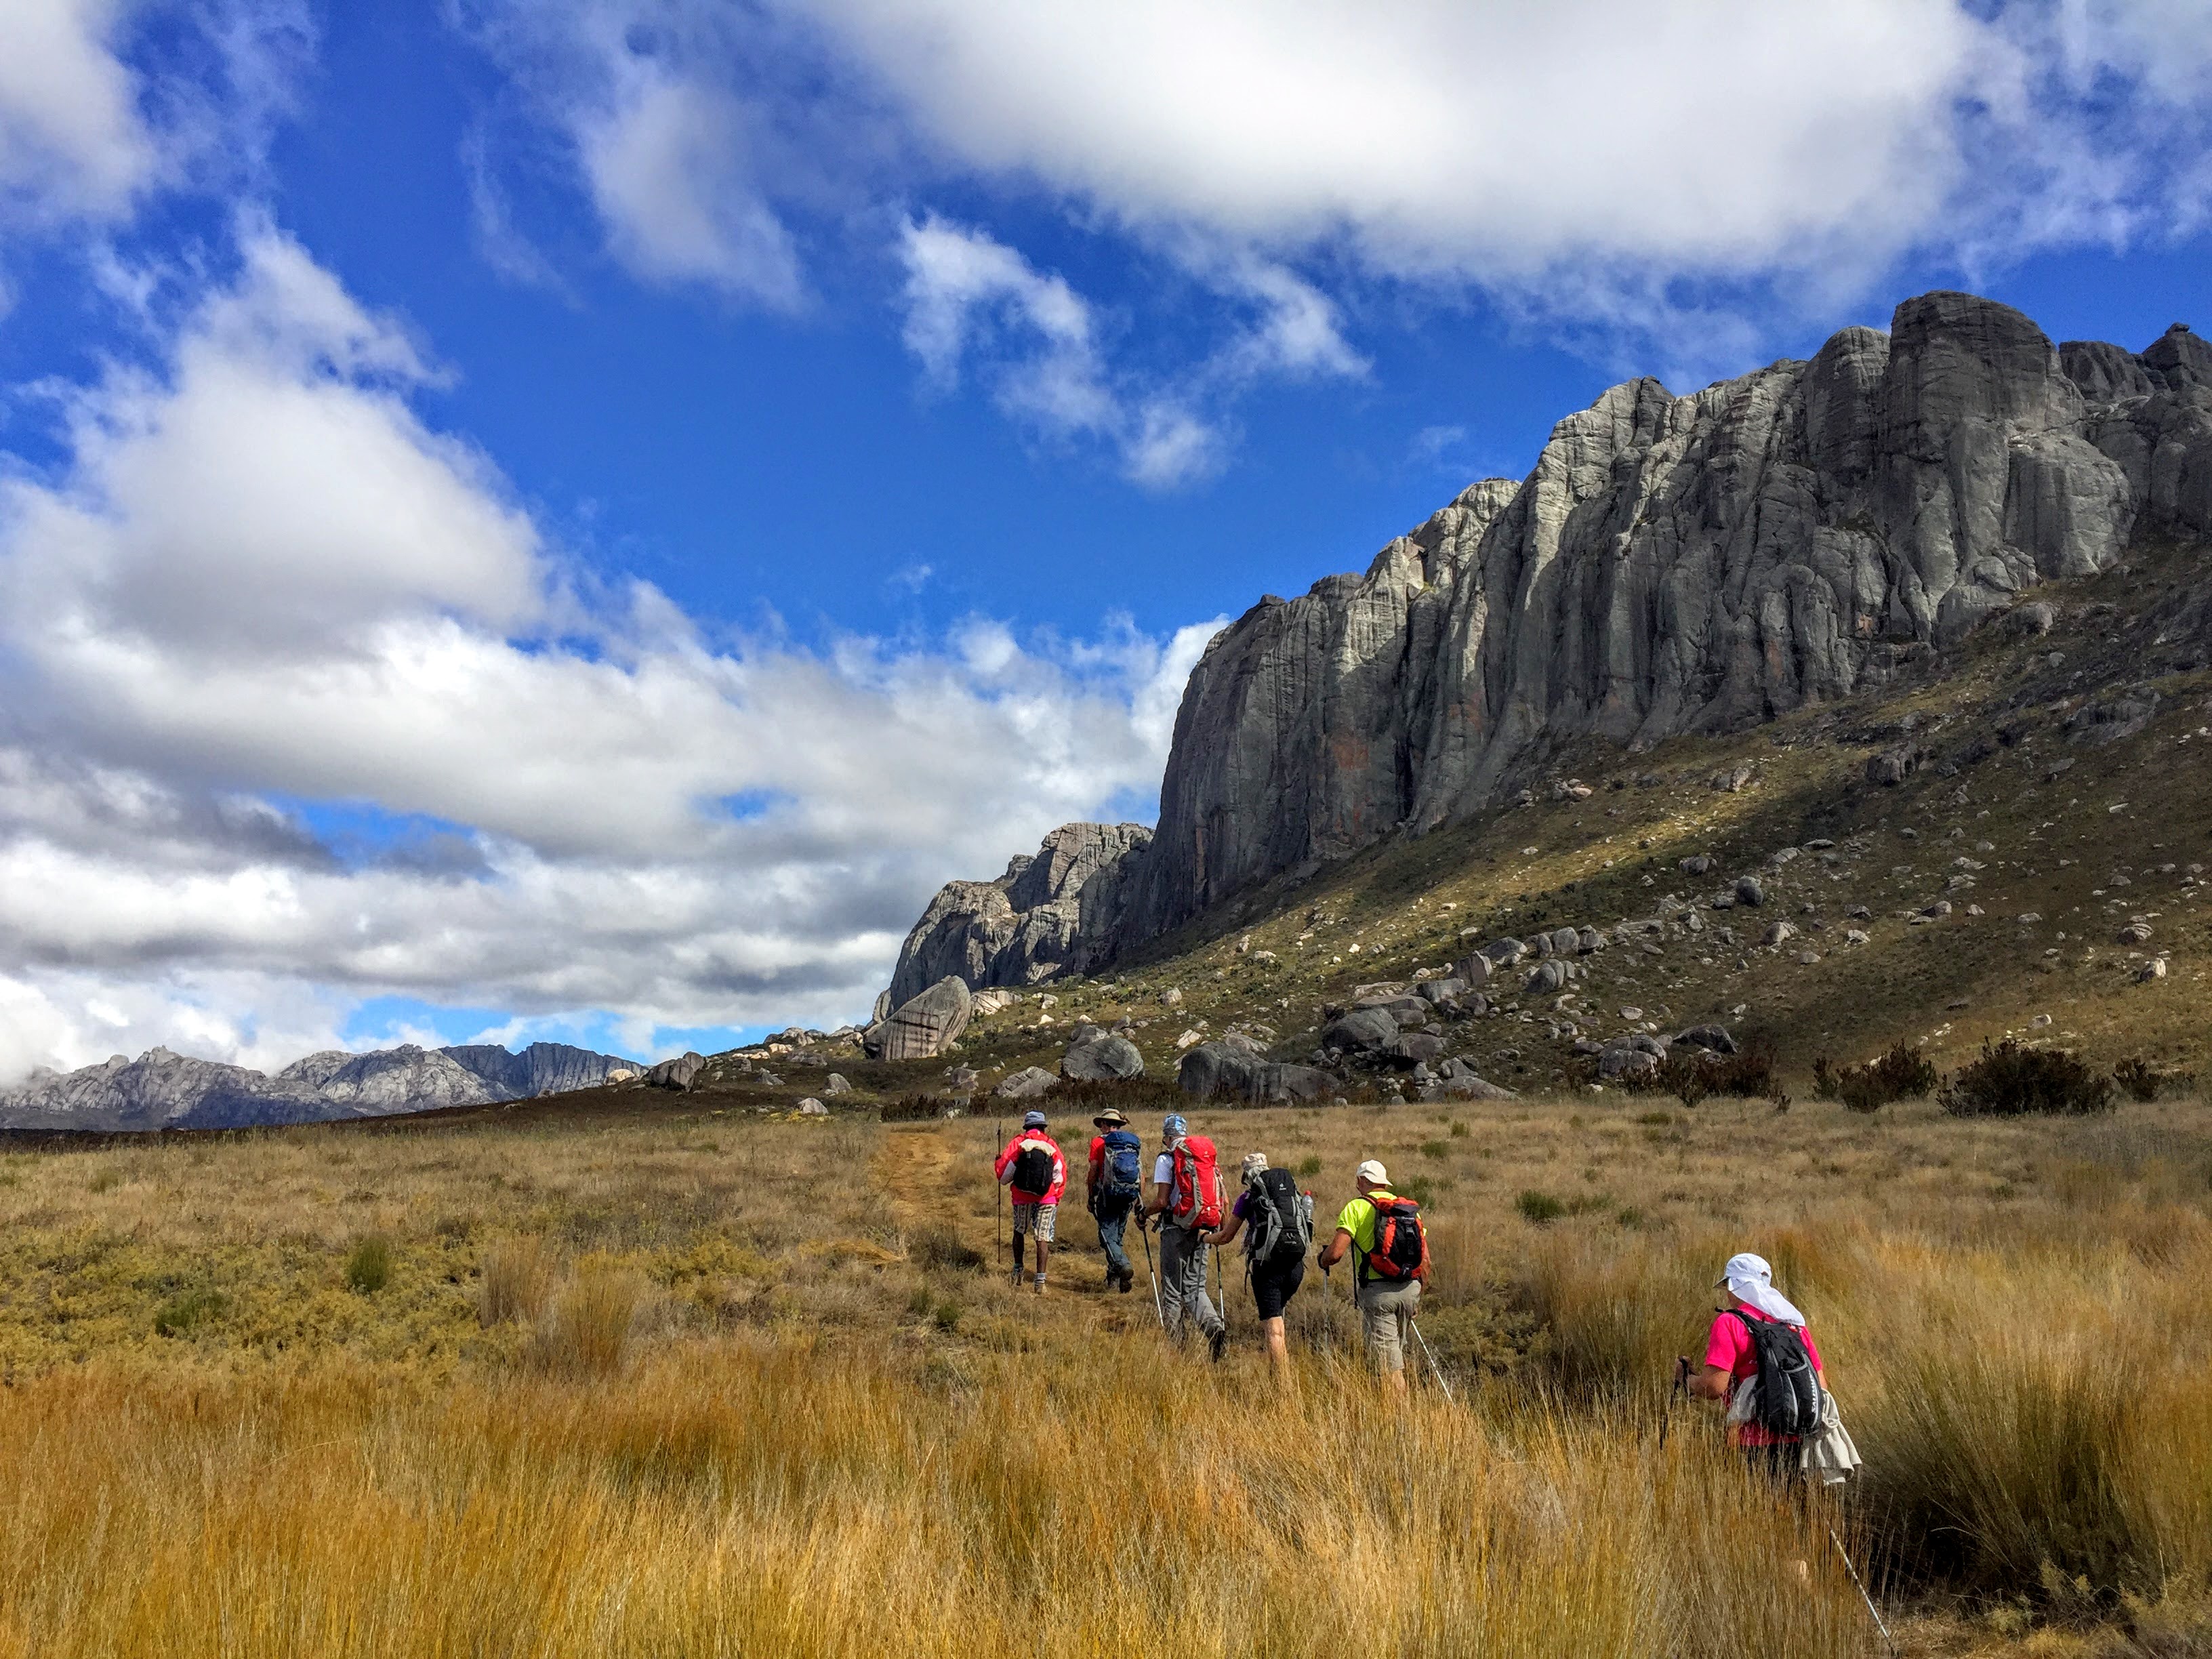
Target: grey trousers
x: 1183, y: 1254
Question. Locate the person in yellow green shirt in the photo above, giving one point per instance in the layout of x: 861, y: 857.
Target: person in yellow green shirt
x: 1387, y: 1300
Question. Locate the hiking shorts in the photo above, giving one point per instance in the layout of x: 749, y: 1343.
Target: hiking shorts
x: 1274, y: 1283
x: 1386, y: 1320
x: 1033, y: 1216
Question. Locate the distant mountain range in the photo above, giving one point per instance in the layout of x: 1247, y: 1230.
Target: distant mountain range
x: 161, y: 1089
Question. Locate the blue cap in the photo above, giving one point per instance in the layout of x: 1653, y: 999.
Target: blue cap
x: 1033, y: 1120
x: 1175, y: 1128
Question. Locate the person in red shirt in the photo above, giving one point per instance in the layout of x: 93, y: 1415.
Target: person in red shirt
x: 1747, y: 1285
x: 1034, y: 1173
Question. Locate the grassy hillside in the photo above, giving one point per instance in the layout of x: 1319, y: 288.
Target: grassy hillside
x: 698, y: 1381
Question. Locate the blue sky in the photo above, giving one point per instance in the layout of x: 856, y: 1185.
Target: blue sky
x: 571, y: 518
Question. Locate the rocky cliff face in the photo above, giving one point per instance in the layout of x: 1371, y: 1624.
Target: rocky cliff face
x: 1672, y: 565
x: 1046, y: 915
x: 161, y: 1089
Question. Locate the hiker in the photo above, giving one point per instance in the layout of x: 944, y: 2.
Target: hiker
x: 1034, y: 1173
x: 1760, y: 1361
x: 1277, y: 1221
x: 1187, y: 1199
x: 1112, y: 1188
x: 1393, y: 1261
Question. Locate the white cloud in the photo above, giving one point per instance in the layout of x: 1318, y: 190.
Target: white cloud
x: 970, y: 300
x: 71, y: 142
x: 85, y: 134
x: 574, y: 802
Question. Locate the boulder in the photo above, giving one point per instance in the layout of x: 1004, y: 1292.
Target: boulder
x: 1546, y: 978
x: 926, y: 1026
x: 835, y: 1083
x: 1415, y: 1048
x: 1214, y: 1070
x: 1025, y: 1084
x: 1467, y: 1086
x: 1714, y: 1039
x: 1504, y: 952
x: 812, y: 1108
x: 1893, y: 766
x: 1749, y: 891
x: 1102, y: 1057
x: 1566, y: 942
x: 1698, y: 863
x: 1364, y: 1031
x: 1777, y: 932
x: 1442, y: 990
x: 677, y: 1074
x: 1171, y: 998
x: 1589, y: 941
x: 1475, y: 971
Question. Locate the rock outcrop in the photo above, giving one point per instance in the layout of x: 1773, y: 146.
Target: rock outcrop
x: 1047, y: 915
x: 923, y: 1026
x: 1672, y: 565
x: 161, y: 1089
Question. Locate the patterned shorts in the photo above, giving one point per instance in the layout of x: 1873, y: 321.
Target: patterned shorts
x: 1034, y: 1217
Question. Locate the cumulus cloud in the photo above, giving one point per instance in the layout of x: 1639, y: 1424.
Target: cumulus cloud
x: 70, y: 139
x: 260, y: 580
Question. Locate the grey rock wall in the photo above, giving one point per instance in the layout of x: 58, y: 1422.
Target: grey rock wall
x: 1671, y: 565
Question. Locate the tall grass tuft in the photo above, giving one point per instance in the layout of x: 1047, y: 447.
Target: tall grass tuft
x: 517, y: 1279
x: 588, y: 1333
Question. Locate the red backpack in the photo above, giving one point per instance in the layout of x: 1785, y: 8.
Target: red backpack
x: 1401, y: 1242
x: 1195, y: 1193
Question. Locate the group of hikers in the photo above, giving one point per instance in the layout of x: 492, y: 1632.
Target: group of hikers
x: 1759, y: 1361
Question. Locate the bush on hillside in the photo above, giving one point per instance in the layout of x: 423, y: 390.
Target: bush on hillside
x: 1903, y: 1073
x: 1747, y: 1074
x: 2010, y: 1080
x: 2138, y: 1080
x: 914, y: 1109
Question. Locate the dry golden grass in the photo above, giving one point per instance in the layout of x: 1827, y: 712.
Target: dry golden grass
x: 705, y: 1385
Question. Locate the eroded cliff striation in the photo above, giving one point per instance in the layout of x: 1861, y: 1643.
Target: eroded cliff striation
x: 1672, y: 565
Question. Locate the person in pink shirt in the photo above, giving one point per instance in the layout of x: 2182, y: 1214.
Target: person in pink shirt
x: 1033, y: 1172
x: 1747, y: 1285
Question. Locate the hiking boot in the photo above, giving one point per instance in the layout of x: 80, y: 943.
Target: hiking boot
x: 1019, y: 1277
x: 1040, y: 1284
x: 1219, y: 1342
x: 1128, y: 1283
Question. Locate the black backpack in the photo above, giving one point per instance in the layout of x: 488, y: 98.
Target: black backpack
x: 1032, y: 1171
x: 1277, y: 1217
x: 1789, y: 1388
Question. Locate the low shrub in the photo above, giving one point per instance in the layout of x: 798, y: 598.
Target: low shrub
x: 1903, y: 1073
x: 914, y: 1109
x: 1539, y: 1207
x: 2138, y: 1080
x: 2011, y: 1079
x: 1685, y: 1074
x: 1747, y: 1074
x: 187, y: 1310
x: 368, y: 1268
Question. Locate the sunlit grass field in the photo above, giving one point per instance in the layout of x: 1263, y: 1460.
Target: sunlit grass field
x: 716, y: 1382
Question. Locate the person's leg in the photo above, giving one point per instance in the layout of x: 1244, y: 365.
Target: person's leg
x: 1022, y: 1212
x: 1113, y: 1229
x: 1173, y: 1241
x: 1041, y: 1226
x: 1279, y: 1349
x: 1384, y: 1332
x: 1209, y: 1316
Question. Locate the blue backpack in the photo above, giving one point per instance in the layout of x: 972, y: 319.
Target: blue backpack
x: 1124, y: 1160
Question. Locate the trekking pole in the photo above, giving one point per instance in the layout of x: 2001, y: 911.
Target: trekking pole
x: 1887, y: 1640
x: 1435, y: 1375
x: 1146, y: 1233
x: 999, y: 1132
x: 1681, y: 1386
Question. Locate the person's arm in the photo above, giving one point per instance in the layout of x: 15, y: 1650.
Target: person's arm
x: 1158, y: 1202
x: 1724, y: 1344
x: 1227, y: 1231
x: 1004, y: 1167
x: 1711, y: 1383
x: 1334, y: 1251
x: 1059, y: 1176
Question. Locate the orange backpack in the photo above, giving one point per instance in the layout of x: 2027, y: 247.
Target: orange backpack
x: 1194, y: 1191
x: 1401, y: 1242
